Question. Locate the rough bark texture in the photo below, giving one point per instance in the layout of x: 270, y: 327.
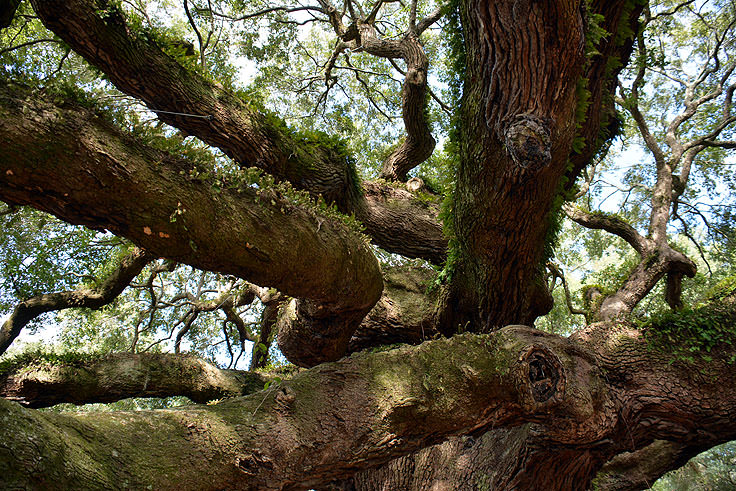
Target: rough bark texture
x: 306, y: 431
x: 641, y: 404
x: 560, y: 408
x: 405, y: 312
x: 518, y: 122
x: 513, y: 154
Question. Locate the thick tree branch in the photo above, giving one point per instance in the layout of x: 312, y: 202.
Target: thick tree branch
x: 120, y: 376
x: 588, y: 398
x: 235, y: 127
x: 657, y: 260
x: 389, y: 211
x: 603, y: 69
x: 78, y: 159
x: 93, y: 298
x: 300, y: 434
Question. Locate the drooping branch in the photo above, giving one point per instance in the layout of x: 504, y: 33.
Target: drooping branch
x: 659, y: 261
x: 672, y: 153
x: 93, y: 298
x: 64, y: 161
x: 123, y: 375
x: 138, y: 67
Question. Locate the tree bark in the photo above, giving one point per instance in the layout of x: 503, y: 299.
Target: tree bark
x: 517, y: 126
x: 123, y: 375
x: 559, y: 408
x: 307, y: 431
x: 540, y: 455
x: 518, y: 123
x: 7, y: 12
x: 404, y: 314
x: 80, y: 160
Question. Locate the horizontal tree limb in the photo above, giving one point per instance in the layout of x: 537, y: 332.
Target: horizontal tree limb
x: 123, y: 375
x: 64, y: 161
x: 303, y: 432
x: 597, y: 394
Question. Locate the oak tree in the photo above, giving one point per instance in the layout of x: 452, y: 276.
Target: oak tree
x: 411, y: 377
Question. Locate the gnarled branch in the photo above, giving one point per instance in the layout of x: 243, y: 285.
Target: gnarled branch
x: 93, y: 298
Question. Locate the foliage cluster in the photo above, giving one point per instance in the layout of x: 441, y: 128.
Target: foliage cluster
x: 691, y: 332
x: 40, y: 356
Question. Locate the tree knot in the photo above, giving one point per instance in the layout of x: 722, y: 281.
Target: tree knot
x: 251, y: 464
x: 527, y: 140
x: 285, y: 398
x: 542, y: 375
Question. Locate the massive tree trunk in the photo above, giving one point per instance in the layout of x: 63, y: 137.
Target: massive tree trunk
x: 530, y: 90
